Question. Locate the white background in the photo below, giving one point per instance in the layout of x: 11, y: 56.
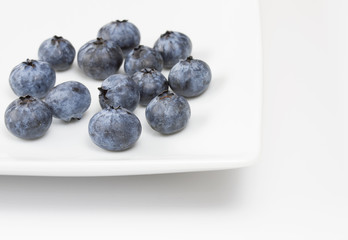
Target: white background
x: 298, y: 189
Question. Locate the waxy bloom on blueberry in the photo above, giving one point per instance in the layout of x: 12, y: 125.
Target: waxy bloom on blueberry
x: 119, y: 90
x: 114, y: 129
x: 32, y: 77
x: 190, y: 77
x: 28, y: 117
x: 124, y: 33
x: 168, y: 113
x: 142, y: 57
x: 58, y: 52
x: 151, y: 83
x: 173, y: 46
x: 69, y: 100
x: 100, y: 58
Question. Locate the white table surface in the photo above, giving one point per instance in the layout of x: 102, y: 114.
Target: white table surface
x: 298, y: 189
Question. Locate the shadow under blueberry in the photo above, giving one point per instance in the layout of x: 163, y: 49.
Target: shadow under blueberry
x: 73, y: 121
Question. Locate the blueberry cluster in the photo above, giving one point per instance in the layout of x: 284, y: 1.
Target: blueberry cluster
x: 115, y: 127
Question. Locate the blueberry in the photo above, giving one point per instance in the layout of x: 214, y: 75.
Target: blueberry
x: 124, y: 33
x: 173, y: 46
x: 100, y: 58
x: 34, y: 78
x: 58, y: 52
x: 69, y: 100
x: 151, y: 83
x: 28, y: 117
x: 168, y: 113
x: 114, y: 129
x: 190, y: 77
x: 142, y: 57
x: 119, y: 90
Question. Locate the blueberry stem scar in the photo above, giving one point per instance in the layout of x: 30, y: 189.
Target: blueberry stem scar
x: 147, y: 70
x: 118, y: 21
x: 26, y: 99
x: 138, y: 47
x: 166, y: 34
x: 29, y: 63
x: 137, y: 51
x: 103, y: 92
x: 99, y: 41
x: 56, y: 39
x: 165, y: 94
x: 189, y: 58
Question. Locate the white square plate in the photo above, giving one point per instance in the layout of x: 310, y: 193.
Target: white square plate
x: 224, y: 129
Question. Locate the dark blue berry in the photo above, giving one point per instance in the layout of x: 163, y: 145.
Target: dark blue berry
x: 28, y: 117
x: 100, y: 58
x: 32, y: 77
x: 168, y: 113
x: 114, y: 129
x: 58, y: 52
